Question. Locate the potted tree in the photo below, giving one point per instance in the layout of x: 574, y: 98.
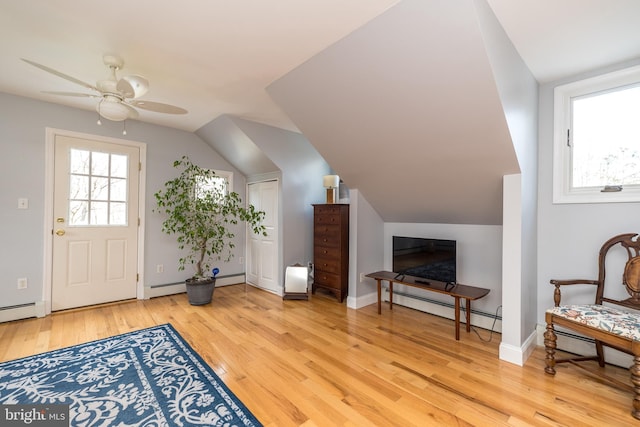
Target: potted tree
x: 202, y: 212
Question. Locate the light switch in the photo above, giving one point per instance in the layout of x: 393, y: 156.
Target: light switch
x: 23, y: 203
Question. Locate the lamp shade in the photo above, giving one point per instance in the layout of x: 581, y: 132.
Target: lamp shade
x: 112, y: 110
x: 331, y: 181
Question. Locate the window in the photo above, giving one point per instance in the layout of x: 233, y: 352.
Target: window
x: 597, y: 139
x: 222, y: 180
x: 97, y: 188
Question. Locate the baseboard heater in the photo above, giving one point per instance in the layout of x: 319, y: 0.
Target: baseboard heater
x: 179, y: 287
x: 21, y: 311
x: 444, y: 309
x: 580, y: 345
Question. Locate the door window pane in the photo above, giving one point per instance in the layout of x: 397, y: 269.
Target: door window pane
x: 99, y: 213
x: 118, y: 190
x: 119, y: 164
x: 78, y: 213
x: 79, y: 187
x: 98, y: 188
x: 79, y: 160
x: 99, y: 163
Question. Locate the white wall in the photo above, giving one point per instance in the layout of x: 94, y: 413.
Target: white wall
x: 366, y: 250
x: 479, y: 257
x: 22, y: 147
x: 513, y: 295
x: 570, y: 235
x: 302, y: 169
x: 518, y: 91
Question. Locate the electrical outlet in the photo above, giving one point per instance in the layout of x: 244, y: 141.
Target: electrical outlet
x: 361, y: 277
x: 159, y: 268
x: 22, y: 283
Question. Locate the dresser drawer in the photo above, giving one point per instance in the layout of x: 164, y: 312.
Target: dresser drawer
x: 327, y: 253
x: 328, y: 218
x: 326, y: 264
x: 329, y: 280
x: 327, y: 209
x: 327, y: 235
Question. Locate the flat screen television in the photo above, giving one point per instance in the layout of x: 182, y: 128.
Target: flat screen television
x: 433, y: 259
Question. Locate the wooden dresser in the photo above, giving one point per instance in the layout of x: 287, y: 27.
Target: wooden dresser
x: 331, y: 248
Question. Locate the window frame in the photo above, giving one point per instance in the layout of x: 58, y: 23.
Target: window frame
x: 562, y: 155
x: 226, y: 175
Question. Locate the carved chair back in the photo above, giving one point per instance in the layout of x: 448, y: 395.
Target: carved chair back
x: 631, y: 275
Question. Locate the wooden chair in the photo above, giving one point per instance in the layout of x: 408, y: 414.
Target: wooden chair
x: 608, y: 321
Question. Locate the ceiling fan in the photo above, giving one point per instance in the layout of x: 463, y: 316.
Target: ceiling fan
x: 117, y: 97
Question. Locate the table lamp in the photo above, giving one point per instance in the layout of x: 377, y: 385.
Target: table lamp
x: 331, y: 182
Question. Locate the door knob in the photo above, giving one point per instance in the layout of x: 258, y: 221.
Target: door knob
x: 60, y: 232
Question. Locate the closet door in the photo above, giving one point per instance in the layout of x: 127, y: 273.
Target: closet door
x: 262, y: 251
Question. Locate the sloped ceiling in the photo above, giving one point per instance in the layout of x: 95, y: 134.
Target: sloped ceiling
x: 211, y: 57
x: 406, y: 110
x: 224, y: 135
x: 423, y: 140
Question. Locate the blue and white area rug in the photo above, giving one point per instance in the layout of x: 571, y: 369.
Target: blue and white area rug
x: 150, y: 377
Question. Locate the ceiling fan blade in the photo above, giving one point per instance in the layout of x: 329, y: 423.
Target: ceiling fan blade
x: 125, y: 89
x: 82, y: 95
x: 158, y: 107
x: 59, y: 74
x: 133, y: 86
x: 133, y: 114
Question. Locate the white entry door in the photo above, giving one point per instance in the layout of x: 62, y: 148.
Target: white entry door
x: 262, y: 253
x: 95, y: 222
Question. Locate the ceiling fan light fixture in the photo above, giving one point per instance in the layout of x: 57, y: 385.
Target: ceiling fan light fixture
x: 112, y: 110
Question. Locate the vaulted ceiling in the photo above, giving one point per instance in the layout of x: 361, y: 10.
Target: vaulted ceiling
x: 407, y: 108
x: 399, y: 96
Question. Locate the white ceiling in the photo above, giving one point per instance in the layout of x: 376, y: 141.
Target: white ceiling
x: 216, y: 57
x: 559, y: 38
x: 210, y: 57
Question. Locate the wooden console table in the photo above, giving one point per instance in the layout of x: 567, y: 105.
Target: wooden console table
x: 456, y: 290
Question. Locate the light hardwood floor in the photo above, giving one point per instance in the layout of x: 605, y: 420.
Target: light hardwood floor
x: 318, y: 363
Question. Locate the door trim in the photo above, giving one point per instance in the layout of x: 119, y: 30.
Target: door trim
x: 50, y: 136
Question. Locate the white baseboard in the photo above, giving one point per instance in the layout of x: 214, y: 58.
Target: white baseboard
x: 362, y: 301
x: 178, y: 288
x: 447, y: 310
x: 518, y: 355
x: 576, y: 344
x: 25, y: 311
